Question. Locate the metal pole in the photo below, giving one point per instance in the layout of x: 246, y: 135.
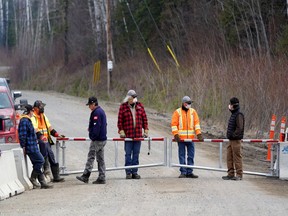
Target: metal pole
x: 165, y: 151
x: 63, y: 168
x: 170, y: 153
x: 220, y: 154
x: 57, y: 150
x: 116, y: 153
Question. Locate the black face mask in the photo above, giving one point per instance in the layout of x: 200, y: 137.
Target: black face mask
x: 41, y: 109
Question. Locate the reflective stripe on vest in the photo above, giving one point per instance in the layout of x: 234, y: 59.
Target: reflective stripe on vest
x: 188, y: 131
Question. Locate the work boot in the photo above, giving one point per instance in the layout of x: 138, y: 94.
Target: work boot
x: 33, y: 179
x: 191, y: 176
x: 228, y: 177
x: 55, y: 173
x: 99, y: 181
x: 47, y: 171
x: 136, y: 176
x: 84, y: 177
x: 43, y: 183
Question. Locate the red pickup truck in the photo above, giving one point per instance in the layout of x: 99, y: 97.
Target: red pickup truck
x: 8, y: 116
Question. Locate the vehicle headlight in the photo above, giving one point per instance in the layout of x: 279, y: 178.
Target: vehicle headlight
x: 8, y: 124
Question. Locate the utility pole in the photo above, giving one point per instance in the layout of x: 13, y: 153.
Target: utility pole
x: 109, y: 46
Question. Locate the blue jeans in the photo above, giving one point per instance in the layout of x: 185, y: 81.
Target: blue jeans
x: 37, y: 160
x: 182, y: 156
x: 132, y: 151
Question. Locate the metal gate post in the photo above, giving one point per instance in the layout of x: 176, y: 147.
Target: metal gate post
x: 278, y: 160
x: 220, y: 154
x: 170, y: 153
x: 165, y: 151
x: 63, y: 167
x: 57, y: 150
x: 116, y: 153
x: 272, y: 160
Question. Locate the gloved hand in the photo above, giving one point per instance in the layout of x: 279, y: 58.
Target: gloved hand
x: 200, y: 138
x: 145, y: 135
x: 122, y: 134
x: 177, y: 138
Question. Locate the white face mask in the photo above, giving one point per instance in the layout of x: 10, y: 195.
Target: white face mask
x: 188, y: 106
x: 134, y: 100
x: 230, y: 107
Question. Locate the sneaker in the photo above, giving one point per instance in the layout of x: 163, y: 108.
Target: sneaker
x: 182, y: 176
x: 128, y: 176
x: 191, y: 176
x: 237, y: 178
x: 136, y: 176
x: 99, y: 181
x: 83, y: 179
x: 227, y: 177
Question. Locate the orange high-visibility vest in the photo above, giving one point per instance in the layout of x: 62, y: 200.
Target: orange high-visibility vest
x: 186, y: 124
x: 39, y: 123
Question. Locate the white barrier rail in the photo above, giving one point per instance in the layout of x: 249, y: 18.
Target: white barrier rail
x: 63, y: 146
x: 274, y: 166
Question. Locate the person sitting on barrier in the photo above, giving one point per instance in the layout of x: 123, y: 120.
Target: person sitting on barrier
x: 185, y: 124
x: 44, y: 131
x: 131, y: 120
x: 28, y: 141
x: 235, y: 132
x: 98, y: 135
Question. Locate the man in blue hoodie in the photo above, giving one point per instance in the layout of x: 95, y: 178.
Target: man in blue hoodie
x: 98, y: 135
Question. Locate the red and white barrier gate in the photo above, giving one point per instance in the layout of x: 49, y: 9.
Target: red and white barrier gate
x: 274, y: 170
x: 61, y: 144
x: 167, y: 157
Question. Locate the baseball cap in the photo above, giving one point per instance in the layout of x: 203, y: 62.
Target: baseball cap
x: 39, y: 103
x: 27, y: 109
x: 131, y: 93
x: 186, y: 99
x: 92, y: 100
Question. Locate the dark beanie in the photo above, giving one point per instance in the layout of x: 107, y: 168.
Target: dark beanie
x: 234, y: 101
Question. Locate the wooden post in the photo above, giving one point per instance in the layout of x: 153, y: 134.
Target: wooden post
x: 109, y: 46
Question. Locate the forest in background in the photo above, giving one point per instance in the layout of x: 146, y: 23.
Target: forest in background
x: 221, y: 48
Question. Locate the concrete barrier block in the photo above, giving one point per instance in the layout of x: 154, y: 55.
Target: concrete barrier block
x: 22, y: 168
x: 9, y: 183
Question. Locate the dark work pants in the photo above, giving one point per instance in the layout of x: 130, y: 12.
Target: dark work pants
x: 37, y: 160
x: 46, y: 151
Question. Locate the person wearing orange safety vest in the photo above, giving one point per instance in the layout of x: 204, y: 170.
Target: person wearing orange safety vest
x: 185, y: 124
x: 43, y: 131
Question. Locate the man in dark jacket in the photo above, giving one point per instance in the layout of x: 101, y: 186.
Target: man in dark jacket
x: 28, y: 141
x: 235, y: 133
x: 132, y: 120
x: 98, y: 135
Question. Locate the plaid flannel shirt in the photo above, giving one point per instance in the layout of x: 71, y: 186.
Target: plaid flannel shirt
x: 27, y: 136
x: 125, y: 120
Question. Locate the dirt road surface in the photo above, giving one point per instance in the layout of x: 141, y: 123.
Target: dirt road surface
x: 159, y: 191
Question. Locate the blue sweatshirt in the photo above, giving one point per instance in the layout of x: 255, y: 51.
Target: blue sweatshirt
x: 98, y: 125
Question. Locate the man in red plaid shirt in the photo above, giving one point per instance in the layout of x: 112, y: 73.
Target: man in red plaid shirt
x: 131, y: 120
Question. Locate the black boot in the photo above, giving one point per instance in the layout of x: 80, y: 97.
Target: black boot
x: 55, y: 173
x: 43, y: 183
x: 33, y: 179
x: 85, y: 177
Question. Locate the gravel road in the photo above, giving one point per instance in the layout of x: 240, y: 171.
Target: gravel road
x: 159, y: 192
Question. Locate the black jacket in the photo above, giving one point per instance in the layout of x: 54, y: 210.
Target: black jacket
x: 235, y: 130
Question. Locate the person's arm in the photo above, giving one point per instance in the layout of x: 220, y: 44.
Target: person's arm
x: 239, y: 125
x: 22, y: 133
